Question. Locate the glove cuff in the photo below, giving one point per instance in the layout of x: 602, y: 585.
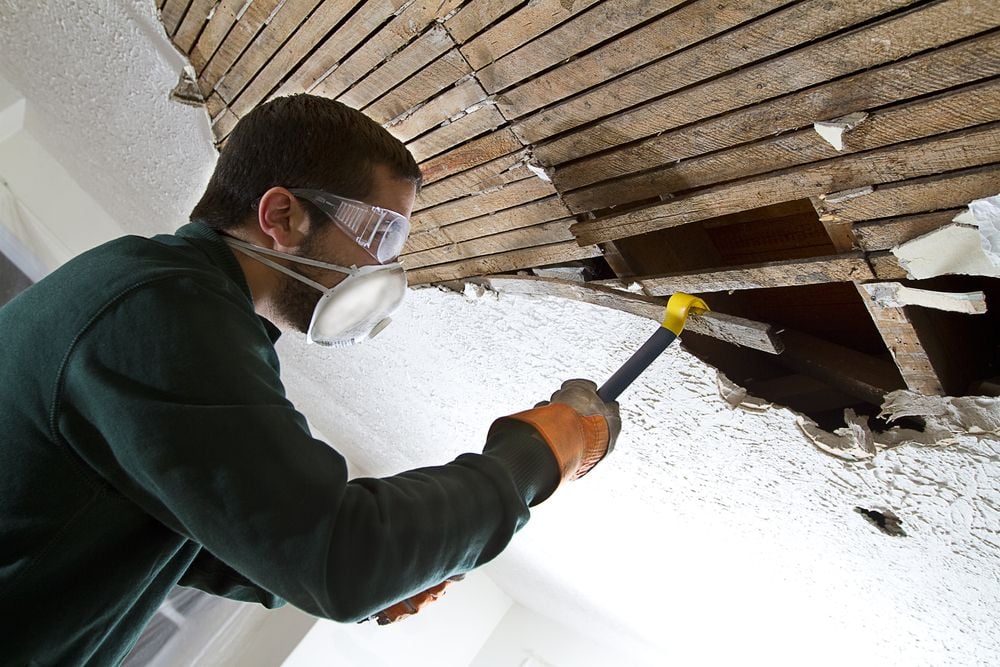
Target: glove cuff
x: 578, y: 443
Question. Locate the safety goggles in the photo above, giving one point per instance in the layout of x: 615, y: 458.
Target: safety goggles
x: 381, y: 232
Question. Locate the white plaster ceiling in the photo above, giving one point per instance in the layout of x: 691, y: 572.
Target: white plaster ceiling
x: 714, y: 534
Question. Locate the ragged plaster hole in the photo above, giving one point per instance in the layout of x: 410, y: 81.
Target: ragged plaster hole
x: 887, y: 522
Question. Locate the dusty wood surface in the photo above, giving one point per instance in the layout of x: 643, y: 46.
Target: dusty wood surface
x: 888, y: 232
x: 214, y: 32
x: 518, y: 192
x: 532, y: 20
x: 424, y: 85
x: 919, y: 195
x: 478, y: 180
x: 191, y: 26
x: 735, y: 330
x: 446, y: 105
x: 903, y: 342
x: 951, y: 111
x: 555, y: 253
x: 235, y: 43
x: 480, y: 121
x: 929, y: 156
x: 476, y: 16
x: 525, y: 237
x: 834, y: 268
x: 543, y: 210
x: 309, y: 34
x: 885, y: 266
x: 469, y: 155
x: 171, y: 13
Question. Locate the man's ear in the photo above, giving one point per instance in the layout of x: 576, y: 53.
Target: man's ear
x: 282, y: 218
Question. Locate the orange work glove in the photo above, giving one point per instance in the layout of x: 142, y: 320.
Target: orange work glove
x: 577, y: 425
x: 411, y: 606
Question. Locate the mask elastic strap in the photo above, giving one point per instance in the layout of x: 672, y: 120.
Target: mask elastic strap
x: 251, y: 251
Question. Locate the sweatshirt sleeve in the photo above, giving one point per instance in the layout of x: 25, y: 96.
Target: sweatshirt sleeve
x: 172, y: 395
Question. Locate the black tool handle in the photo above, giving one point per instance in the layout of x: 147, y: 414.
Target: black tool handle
x: 636, y: 364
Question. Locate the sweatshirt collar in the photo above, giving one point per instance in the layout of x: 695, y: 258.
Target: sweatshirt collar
x: 220, y: 255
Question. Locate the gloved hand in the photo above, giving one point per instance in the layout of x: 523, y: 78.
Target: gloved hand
x: 411, y: 606
x: 578, y: 426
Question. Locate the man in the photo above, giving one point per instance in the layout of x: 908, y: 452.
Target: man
x: 147, y: 440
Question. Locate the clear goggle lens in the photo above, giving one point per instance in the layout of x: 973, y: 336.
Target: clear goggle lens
x: 381, y: 232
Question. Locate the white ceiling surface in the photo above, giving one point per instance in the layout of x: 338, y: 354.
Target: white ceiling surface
x: 709, y: 532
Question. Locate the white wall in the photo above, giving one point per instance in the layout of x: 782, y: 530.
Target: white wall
x: 448, y: 633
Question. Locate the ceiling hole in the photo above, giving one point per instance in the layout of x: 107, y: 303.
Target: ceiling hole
x: 887, y: 522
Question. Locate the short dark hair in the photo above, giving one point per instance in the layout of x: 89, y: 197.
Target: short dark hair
x: 299, y: 141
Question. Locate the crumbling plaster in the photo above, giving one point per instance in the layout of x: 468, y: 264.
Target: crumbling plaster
x: 711, y: 533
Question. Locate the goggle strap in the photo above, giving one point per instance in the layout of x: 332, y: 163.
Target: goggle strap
x: 284, y: 255
x: 252, y: 250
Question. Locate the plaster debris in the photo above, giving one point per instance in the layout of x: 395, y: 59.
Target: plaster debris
x: 738, y: 397
x: 833, y: 131
x: 896, y: 295
x: 844, y: 195
x: 853, y: 442
x: 539, y: 171
x: 187, y: 91
x: 958, y: 248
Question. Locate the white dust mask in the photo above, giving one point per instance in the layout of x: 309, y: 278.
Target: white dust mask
x: 354, y: 310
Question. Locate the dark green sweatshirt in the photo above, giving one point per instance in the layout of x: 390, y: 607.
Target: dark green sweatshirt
x: 146, y: 441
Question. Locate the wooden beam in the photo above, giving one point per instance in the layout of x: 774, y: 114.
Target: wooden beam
x: 898, y: 37
x: 543, y: 210
x: 555, y: 253
x: 582, y: 32
x: 456, y: 210
x: 528, y: 22
x: 421, y: 87
x: 735, y: 330
x: 947, y: 112
x: 833, y: 268
x: 903, y: 342
x: 863, y: 376
x: 948, y: 152
x: 885, y: 233
x: 471, y: 154
x: 917, y: 195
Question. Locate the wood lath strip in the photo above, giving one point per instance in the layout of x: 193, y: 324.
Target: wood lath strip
x: 832, y: 268
x: 417, y: 54
x: 938, y: 70
x: 480, y: 180
x: 171, y: 13
x: 327, y: 15
x: 543, y: 210
x: 471, y: 154
x: 554, y: 253
x: 513, y: 194
x: 918, y: 195
x: 215, y: 31
x: 446, y: 105
x: 888, y: 40
x: 526, y: 237
x: 675, y: 31
x: 362, y: 23
x: 889, y: 232
x: 191, y: 26
x: 382, y: 45
x: 729, y: 328
x: 585, y: 30
x: 532, y: 20
x: 476, y: 16
x: 254, y: 17
x: 421, y: 87
x: 947, y: 112
x: 467, y: 127
x: 949, y: 152
x: 284, y: 21
x: 885, y: 266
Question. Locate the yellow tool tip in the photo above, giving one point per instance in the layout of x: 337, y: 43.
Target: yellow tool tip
x: 679, y: 307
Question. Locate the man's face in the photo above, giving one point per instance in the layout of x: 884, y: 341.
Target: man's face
x: 328, y: 243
